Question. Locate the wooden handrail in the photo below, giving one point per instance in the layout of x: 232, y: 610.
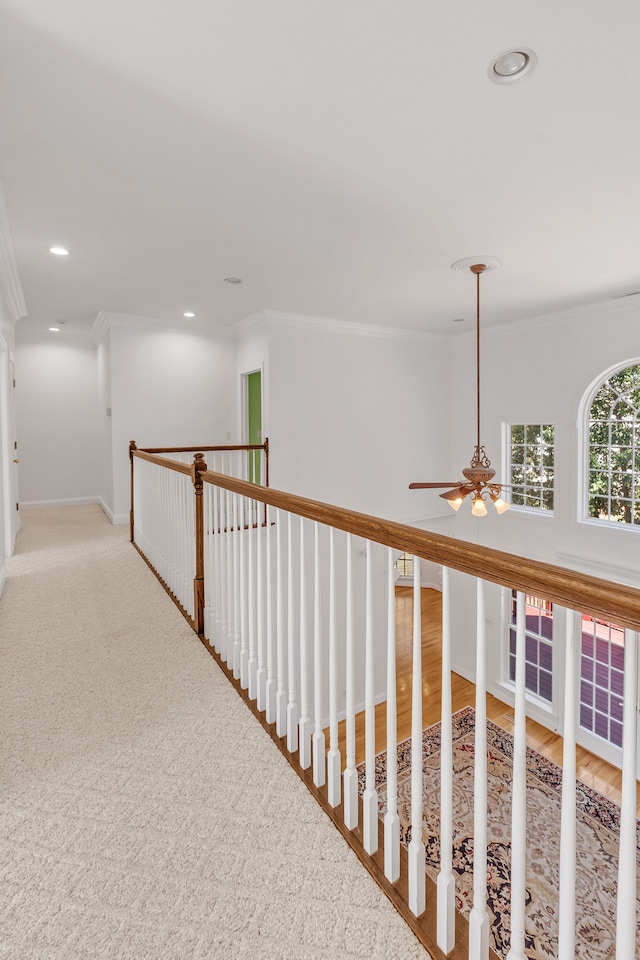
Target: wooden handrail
x: 204, y: 449
x: 569, y: 588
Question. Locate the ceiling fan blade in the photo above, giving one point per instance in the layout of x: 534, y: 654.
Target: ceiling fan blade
x: 432, y: 486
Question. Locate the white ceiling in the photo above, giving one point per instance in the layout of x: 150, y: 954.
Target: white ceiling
x: 337, y: 155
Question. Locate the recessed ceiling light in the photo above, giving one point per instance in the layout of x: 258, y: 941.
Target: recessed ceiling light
x: 459, y: 319
x: 188, y: 314
x: 232, y: 280
x: 59, y: 251
x: 54, y: 329
x: 512, y: 65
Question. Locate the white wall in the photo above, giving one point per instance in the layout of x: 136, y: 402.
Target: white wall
x: 168, y: 388
x: 57, y: 419
x: 354, y: 418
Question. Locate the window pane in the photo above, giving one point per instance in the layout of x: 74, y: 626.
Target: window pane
x: 531, y: 465
x: 614, y: 449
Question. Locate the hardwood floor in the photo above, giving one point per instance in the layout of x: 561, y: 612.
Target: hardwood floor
x: 597, y: 773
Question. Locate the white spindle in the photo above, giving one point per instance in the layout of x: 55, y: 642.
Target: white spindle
x: 333, y: 757
x: 519, y: 791
x: 567, y: 895
x: 293, y: 715
x: 230, y: 634
x: 370, y: 798
x: 417, y: 882
x: 391, y: 818
x: 217, y: 562
x: 237, y: 640
x: 304, y: 735
x: 479, y: 917
x: 446, y: 884
x: 206, y: 503
x: 244, y: 600
x: 224, y: 575
x: 281, y: 692
x: 350, y: 776
x: 261, y: 676
x: 253, y: 662
x: 318, y: 742
x: 626, y: 906
x: 271, y: 667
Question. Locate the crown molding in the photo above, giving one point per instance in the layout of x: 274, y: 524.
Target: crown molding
x: 45, y: 337
x: 105, y: 320
x: 269, y: 317
x: 10, y: 282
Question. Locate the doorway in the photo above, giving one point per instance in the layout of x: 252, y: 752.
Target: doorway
x: 253, y: 421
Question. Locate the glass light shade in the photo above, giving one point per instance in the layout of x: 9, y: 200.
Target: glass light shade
x: 501, y: 505
x: 479, y: 508
x: 455, y: 504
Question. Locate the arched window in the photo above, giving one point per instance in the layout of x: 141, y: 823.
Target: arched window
x: 614, y: 449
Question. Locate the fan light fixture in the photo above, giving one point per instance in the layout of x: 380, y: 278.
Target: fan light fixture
x: 479, y: 475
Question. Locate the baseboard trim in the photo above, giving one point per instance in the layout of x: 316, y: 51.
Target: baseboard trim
x: 70, y: 502
x: 115, y: 518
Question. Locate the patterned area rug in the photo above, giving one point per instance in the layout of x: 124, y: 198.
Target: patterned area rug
x: 597, y: 839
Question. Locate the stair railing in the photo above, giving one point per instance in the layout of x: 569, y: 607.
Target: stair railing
x: 295, y: 600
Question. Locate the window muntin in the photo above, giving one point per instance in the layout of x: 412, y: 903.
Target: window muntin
x: 613, y: 494
x: 538, y: 646
x: 531, y: 465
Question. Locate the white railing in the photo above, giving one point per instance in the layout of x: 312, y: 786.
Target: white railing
x: 299, y: 607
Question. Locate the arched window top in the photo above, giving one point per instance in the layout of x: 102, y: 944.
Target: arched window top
x: 613, y: 440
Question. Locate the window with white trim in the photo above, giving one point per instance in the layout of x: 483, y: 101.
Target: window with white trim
x: 613, y: 493
x: 531, y: 465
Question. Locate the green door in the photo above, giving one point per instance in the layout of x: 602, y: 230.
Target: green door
x: 254, y: 424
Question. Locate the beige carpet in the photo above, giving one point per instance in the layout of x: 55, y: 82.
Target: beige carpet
x: 144, y: 813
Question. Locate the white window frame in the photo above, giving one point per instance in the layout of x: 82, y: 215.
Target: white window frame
x: 583, y: 425
x: 508, y: 448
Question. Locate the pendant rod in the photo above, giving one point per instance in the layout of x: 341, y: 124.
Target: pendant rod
x: 478, y: 268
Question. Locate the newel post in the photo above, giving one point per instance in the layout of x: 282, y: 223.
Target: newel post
x: 197, y: 467
x: 132, y: 446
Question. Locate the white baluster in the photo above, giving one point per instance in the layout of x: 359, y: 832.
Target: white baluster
x: 208, y: 551
x: 236, y: 586
x: 304, y: 725
x: 261, y: 676
x: 370, y: 798
x: 271, y: 672
x: 224, y: 575
x: 391, y: 818
x: 244, y: 599
x: 333, y: 757
x: 446, y: 884
x: 626, y: 906
x: 253, y: 661
x: 350, y: 776
x: 281, y: 692
x: 230, y: 635
x: 417, y: 880
x: 293, y: 715
x: 519, y: 792
x: 216, y: 568
x: 479, y: 918
x: 318, y: 740
x: 567, y: 895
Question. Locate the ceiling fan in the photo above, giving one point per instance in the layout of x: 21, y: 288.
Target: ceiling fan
x: 479, y: 474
